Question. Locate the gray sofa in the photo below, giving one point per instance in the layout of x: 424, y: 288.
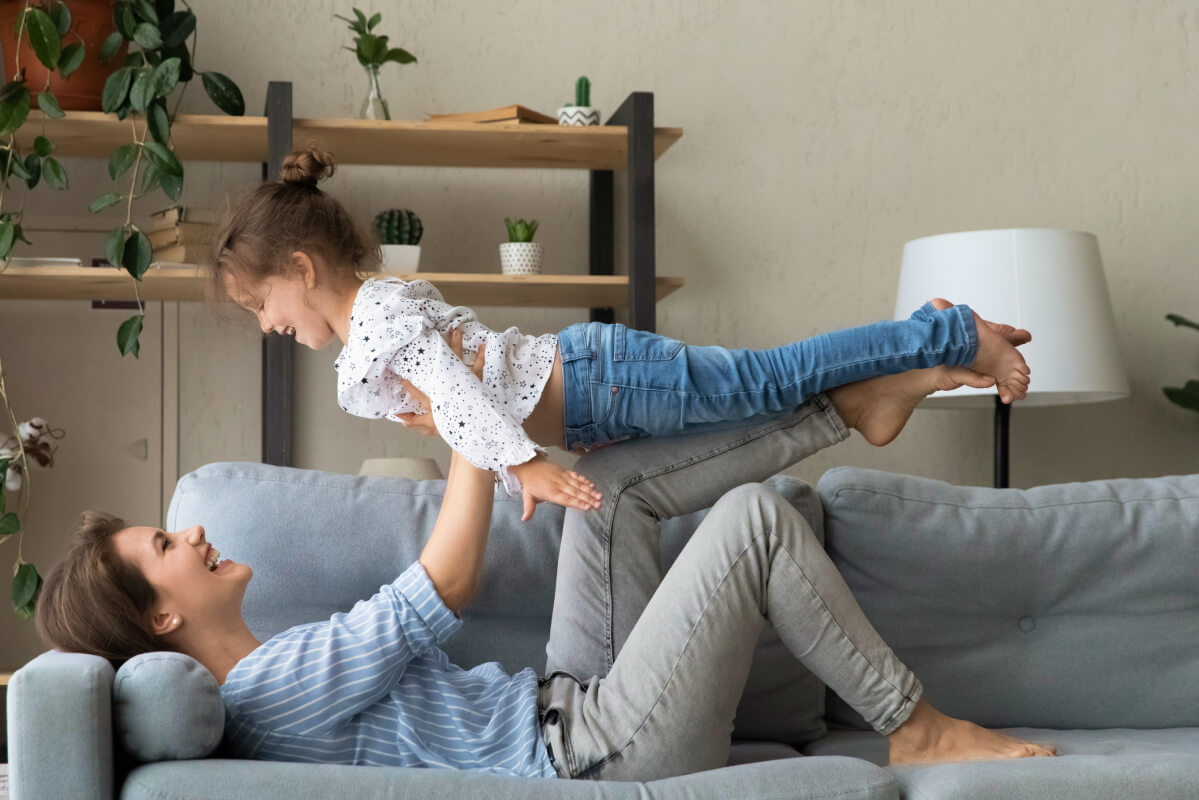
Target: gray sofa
x: 1067, y: 613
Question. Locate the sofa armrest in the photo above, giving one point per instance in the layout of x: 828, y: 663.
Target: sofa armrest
x: 60, y: 728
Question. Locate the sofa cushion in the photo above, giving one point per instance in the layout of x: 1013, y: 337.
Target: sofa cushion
x: 167, y: 706
x: 1067, y: 606
x: 1117, y: 763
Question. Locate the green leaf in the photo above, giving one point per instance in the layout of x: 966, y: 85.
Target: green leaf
x: 20, y: 235
x: 121, y: 160
x: 172, y: 185
x: 9, y: 524
x: 104, y: 201
x: 114, y: 245
x: 166, y: 77
x: 166, y: 161
x: 55, y: 175
x: 62, y: 18
x: 178, y: 27
x: 164, y: 8
x: 1187, y: 396
x: 25, y: 588
x: 6, y: 239
x: 43, y: 146
x: 179, y: 51
x: 33, y: 165
x: 135, y: 258
x: 150, y: 180
x: 123, y: 19
x: 72, y: 58
x: 108, y: 50
x: 147, y: 36
x: 12, y: 89
x: 400, y: 56
x: 352, y: 24
x: 1183, y: 321
x: 224, y: 93
x: 48, y: 103
x: 146, y: 10
x: 14, y: 111
x: 127, y: 336
x: 375, y: 19
x: 116, y: 89
x: 160, y: 125
x: 17, y: 167
x: 142, y: 91
x: 136, y: 59
x: 43, y: 35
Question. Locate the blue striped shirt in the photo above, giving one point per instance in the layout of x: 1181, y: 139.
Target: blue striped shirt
x: 372, y: 687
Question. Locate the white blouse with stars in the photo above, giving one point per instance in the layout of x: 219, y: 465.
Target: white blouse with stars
x: 398, y: 330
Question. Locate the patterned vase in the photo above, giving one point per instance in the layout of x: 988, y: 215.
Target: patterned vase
x: 520, y: 258
x: 578, y: 115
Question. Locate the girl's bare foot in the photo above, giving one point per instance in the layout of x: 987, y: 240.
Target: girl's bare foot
x: 928, y: 736
x: 997, y: 354
x: 878, y: 408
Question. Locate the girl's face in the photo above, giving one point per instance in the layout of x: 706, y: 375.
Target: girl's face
x: 285, y: 304
x: 191, y: 581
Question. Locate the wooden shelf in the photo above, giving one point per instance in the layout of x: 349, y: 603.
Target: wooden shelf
x: 459, y: 288
x: 92, y: 134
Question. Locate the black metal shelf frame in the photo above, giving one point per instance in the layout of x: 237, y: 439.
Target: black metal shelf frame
x: 636, y: 113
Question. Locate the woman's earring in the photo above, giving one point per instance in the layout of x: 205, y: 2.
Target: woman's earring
x: 176, y: 621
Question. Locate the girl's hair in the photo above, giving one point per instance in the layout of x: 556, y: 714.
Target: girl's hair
x: 93, y: 601
x: 268, y: 223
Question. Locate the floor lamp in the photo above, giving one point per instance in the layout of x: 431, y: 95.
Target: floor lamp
x: 1048, y: 281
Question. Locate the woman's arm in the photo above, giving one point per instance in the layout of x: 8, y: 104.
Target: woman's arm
x: 453, y: 556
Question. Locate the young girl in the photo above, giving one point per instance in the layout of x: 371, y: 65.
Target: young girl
x: 292, y: 255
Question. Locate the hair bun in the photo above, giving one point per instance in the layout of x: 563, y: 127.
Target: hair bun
x: 306, y: 167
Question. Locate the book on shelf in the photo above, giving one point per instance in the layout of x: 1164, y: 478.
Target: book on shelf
x: 196, y: 233
x: 184, y: 254
x: 511, y: 114
x: 169, y: 216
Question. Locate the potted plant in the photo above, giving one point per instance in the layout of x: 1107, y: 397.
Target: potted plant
x: 581, y: 113
x: 83, y: 29
x: 1187, y: 395
x: 399, y: 231
x: 373, y: 52
x: 520, y: 255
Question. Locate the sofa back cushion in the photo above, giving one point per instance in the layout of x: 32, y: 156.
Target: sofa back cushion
x: 1067, y: 606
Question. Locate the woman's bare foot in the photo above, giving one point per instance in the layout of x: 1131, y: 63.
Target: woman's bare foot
x: 878, y: 408
x: 928, y: 736
x: 997, y: 354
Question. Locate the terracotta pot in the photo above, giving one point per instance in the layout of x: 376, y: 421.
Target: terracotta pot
x: 91, y: 20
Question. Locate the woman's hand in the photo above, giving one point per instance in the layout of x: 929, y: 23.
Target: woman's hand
x: 423, y: 423
x: 541, y: 480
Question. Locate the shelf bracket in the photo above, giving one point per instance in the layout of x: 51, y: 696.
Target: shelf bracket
x: 278, y: 352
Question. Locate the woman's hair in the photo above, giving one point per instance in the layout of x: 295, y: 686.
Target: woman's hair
x: 266, y: 224
x: 93, y: 601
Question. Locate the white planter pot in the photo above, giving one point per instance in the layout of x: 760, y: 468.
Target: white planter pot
x: 520, y: 258
x: 578, y: 115
x: 400, y: 258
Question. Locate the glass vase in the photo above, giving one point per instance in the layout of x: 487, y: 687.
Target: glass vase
x: 374, y: 106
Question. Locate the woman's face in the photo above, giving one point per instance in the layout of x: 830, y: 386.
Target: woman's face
x: 191, y: 581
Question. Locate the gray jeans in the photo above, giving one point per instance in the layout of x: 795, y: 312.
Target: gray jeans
x: 674, y: 651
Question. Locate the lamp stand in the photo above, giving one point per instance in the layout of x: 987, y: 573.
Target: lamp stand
x: 1003, y: 415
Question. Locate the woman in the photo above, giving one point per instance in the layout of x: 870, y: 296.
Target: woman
x: 371, y: 686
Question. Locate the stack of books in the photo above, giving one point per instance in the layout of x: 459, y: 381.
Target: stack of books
x: 182, y: 235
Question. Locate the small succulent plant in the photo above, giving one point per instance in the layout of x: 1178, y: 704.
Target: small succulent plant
x: 582, y: 92
x: 520, y: 230
x: 398, y: 226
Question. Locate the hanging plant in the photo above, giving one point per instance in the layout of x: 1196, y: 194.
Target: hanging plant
x: 1186, y: 395
x: 47, y: 28
x: 158, y: 61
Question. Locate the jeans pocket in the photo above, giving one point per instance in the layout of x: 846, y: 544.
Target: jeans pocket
x: 603, y: 401
x: 634, y: 345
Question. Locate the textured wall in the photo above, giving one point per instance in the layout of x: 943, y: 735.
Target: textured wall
x: 819, y: 137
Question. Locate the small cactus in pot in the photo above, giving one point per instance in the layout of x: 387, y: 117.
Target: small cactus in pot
x: 581, y: 113
x: 399, y: 232
x: 520, y: 255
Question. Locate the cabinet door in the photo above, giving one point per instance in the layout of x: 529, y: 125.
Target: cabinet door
x: 61, y: 362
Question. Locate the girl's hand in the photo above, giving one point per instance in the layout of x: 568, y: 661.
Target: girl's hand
x: 423, y: 423
x: 541, y: 480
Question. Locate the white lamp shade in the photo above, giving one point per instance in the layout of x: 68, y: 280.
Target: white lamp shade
x: 1048, y: 281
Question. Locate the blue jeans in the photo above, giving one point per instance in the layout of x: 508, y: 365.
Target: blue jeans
x: 625, y: 384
